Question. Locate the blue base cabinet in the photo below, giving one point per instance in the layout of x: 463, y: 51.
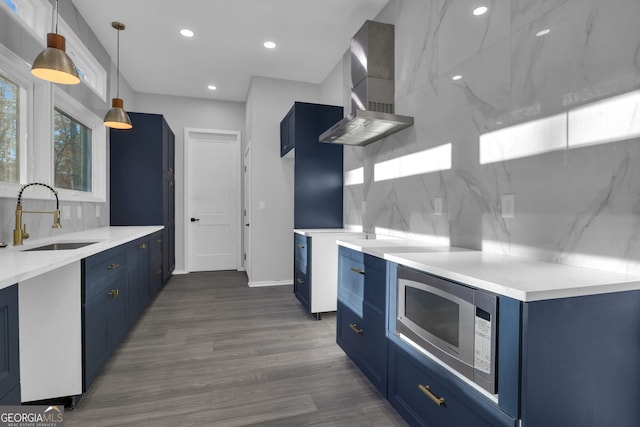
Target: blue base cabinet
x: 117, y: 286
x: 360, y: 322
x: 9, y: 344
x: 302, y: 270
x: 581, y: 361
x: 425, y: 395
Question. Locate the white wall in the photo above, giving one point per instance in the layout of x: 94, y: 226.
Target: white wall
x: 181, y: 113
x: 272, y: 178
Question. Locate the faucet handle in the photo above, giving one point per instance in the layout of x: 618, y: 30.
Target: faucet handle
x: 25, y: 235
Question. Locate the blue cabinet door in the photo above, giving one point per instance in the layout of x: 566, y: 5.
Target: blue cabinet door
x: 302, y: 270
x: 9, y: 346
x: 360, y: 328
x: 96, y: 348
x: 581, y: 361
x: 318, y: 167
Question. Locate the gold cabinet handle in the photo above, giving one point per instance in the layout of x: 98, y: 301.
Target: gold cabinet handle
x: 158, y: 272
x: 158, y: 240
x: 355, y: 329
x: 300, y: 246
x: 143, y: 246
x: 170, y: 183
x: 114, y: 293
x: 113, y: 266
x: 357, y: 270
x: 426, y: 390
x: 300, y: 281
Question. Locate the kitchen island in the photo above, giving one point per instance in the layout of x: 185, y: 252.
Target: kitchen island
x: 56, y: 331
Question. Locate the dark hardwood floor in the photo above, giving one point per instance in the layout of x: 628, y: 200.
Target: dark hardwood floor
x: 210, y: 351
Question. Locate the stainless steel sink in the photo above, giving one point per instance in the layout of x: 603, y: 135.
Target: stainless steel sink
x: 60, y: 246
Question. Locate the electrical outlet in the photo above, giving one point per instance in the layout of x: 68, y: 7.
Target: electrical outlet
x: 508, y: 206
x: 79, y: 212
x: 66, y: 212
x: 437, y: 206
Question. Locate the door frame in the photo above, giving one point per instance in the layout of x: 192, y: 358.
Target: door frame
x: 185, y: 195
x: 247, y: 211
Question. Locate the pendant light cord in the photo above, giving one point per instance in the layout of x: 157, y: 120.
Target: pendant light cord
x: 56, y: 22
x: 117, y: 67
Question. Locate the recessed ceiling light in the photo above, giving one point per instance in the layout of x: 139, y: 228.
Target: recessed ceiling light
x: 480, y: 10
x: 186, y: 32
x: 269, y: 45
x: 211, y: 87
x: 456, y: 77
x: 543, y: 32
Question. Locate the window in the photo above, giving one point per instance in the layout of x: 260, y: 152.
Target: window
x: 12, y: 5
x: 78, y: 150
x: 71, y: 153
x: 9, y: 130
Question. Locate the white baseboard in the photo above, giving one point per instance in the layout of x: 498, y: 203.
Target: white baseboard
x: 180, y: 272
x: 270, y: 283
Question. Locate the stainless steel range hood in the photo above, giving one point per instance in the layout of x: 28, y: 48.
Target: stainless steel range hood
x: 372, y: 95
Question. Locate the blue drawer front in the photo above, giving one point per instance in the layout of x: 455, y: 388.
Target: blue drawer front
x: 410, y: 375
x: 101, y: 269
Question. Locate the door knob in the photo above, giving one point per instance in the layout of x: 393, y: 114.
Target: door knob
x: 246, y: 225
x: 195, y: 219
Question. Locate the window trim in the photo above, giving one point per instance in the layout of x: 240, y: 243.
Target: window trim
x: 79, y: 112
x: 16, y: 70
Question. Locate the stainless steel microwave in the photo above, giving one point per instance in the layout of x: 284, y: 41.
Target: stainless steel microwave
x: 453, y: 322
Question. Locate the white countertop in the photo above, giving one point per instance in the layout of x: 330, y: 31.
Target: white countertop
x: 317, y: 231
x: 516, y: 277
x: 17, y: 265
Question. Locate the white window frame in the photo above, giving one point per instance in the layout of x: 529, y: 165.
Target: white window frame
x: 32, y: 94
x: 37, y: 16
x: 66, y: 103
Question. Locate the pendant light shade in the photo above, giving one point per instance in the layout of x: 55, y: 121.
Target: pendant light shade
x: 116, y: 117
x: 53, y: 64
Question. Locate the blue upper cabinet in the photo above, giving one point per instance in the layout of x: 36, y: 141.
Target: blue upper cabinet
x: 318, y: 170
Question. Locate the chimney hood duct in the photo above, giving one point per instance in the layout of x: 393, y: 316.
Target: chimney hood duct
x: 372, y: 96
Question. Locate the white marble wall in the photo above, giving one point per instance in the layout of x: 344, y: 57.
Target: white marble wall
x: 576, y: 205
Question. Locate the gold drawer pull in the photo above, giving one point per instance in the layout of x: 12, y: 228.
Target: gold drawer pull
x: 300, y: 246
x: 113, y: 266
x: 143, y: 246
x: 158, y: 240
x: 426, y: 390
x: 114, y: 293
x: 357, y: 270
x: 158, y: 272
x: 300, y: 281
x: 355, y: 329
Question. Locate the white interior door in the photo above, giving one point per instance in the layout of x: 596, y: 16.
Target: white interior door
x: 247, y: 211
x: 213, y: 174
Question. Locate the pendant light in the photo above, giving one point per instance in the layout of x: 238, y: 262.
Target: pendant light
x: 53, y: 64
x: 116, y: 117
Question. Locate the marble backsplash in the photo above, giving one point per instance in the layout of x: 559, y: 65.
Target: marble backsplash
x: 575, y: 203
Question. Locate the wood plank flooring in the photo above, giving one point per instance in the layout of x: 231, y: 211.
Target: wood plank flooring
x: 210, y: 351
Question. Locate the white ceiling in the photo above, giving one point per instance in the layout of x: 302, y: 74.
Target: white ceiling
x: 227, y: 49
